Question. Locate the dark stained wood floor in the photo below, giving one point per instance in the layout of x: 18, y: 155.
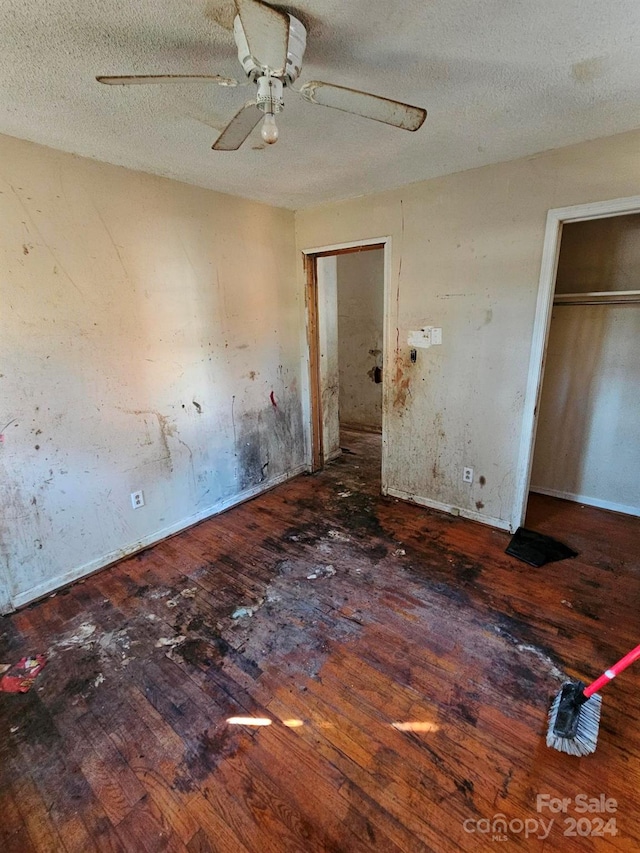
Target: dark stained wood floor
x: 405, y: 685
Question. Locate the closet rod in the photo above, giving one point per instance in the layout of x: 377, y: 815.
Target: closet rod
x: 599, y: 297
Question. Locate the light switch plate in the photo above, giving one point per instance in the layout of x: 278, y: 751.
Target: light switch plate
x: 420, y: 338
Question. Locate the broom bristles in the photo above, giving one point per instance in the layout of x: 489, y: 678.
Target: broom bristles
x: 585, y: 738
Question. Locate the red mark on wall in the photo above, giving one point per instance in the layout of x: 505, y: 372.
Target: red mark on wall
x: 272, y: 397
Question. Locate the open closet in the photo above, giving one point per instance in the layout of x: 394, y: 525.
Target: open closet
x: 588, y: 435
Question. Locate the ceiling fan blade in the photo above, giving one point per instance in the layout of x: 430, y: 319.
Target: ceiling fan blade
x: 140, y: 79
x: 364, y: 104
x: 267, y: 33
x: 238, y: 128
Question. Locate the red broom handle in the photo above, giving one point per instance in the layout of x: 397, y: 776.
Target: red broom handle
x: 616, y: 669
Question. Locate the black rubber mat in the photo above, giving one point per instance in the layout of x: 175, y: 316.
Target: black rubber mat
x: 536, y: 549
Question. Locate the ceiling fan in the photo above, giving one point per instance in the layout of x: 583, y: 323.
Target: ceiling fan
x: 271, y: 44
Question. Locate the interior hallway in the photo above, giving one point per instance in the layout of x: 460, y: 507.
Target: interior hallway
x: 404, y: 663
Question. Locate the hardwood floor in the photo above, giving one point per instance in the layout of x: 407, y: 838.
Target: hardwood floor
x: 389, y: 679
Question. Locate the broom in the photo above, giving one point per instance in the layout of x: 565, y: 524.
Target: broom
x: 574, y: 717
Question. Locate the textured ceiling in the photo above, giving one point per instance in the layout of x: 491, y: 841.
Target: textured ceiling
x: 500, y: 78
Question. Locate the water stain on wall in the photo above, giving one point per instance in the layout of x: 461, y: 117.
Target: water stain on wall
x: 250, y: 453
x: 401, y: 384
x: 268, y: 440
x: 587, y: 70
x: 167, y: 430
x: 438, y: 436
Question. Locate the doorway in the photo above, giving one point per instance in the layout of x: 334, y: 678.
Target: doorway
x: 347, y: 338
x: 580, y: 431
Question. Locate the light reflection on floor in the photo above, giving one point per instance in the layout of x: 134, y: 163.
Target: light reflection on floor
x: 406, y: 726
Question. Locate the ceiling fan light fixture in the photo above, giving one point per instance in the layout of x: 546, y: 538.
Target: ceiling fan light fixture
x: 269, y: 96
x: 269, y: 129
x: 269, y: 100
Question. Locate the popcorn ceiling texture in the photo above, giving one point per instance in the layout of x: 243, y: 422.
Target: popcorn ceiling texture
x: 500, y: 81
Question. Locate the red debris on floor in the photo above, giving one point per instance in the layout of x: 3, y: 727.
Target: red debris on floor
x: 20, y: 677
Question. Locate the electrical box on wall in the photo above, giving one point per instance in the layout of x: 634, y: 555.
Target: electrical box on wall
x: 429, y: 336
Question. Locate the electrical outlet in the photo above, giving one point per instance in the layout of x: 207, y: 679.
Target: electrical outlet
x: 467, y: 475
x: 137, y: 499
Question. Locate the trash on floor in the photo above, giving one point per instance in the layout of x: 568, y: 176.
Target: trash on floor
x: 336, y: 534
x: 321, y: 572
x: 536, y: 549
x: 20, y: 677
x: 239, y: 612
x: 185, y: 593
x: 169, y: 641
x: 81, y: 637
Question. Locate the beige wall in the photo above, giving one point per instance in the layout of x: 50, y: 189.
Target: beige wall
x: 360, y: 333
x: 466, y: 252
x: 600, y: 254
x: 144, y: 324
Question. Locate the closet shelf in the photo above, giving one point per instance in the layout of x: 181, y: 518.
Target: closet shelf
x: 597, y: 297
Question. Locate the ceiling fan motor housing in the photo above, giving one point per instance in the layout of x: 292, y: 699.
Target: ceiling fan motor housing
x: 295, y: 51
x: 269, y: 97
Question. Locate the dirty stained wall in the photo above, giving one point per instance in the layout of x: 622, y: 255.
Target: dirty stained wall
x: 150, y: 338
x: 360, y: 337
x: 465, y: 256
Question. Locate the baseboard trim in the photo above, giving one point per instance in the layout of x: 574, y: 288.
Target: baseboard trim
x: 361, y: 428
x: 489, y: 520
x: 333, y: 455
x: 585, y: 499
x: 56, y: 583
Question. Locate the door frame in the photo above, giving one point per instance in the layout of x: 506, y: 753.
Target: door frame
x: 6, y: 599
x: 546, y: 291
x: 310, y: 260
